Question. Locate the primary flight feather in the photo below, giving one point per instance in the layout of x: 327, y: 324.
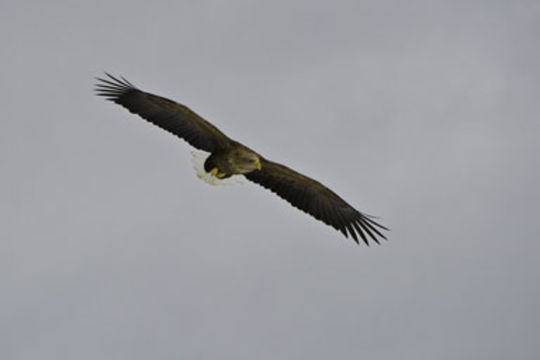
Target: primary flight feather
x: 228, y: 157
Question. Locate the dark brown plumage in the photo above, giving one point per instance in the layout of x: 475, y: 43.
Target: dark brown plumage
x: 229, y: 157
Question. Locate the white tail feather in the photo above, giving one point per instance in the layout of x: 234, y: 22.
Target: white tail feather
x: 198, y: 159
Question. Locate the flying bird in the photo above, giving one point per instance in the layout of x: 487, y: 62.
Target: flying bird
x: 229, y: 158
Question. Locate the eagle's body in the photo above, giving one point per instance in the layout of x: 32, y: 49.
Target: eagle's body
x: 229, y: 158
x: 235, y: 160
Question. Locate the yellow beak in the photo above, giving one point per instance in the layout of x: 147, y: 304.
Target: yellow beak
x: 258, y: 165
x: 214, y: 171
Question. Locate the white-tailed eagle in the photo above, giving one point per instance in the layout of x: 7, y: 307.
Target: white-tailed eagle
x: 228, y: 157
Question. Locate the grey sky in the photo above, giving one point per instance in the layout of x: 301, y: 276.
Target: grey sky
x: 422, y: 112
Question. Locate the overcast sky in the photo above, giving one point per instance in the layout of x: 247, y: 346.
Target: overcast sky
x: 425, y: 113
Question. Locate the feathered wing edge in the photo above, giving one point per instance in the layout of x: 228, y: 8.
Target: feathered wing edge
x: 318, y: 201
x: 113, y: 88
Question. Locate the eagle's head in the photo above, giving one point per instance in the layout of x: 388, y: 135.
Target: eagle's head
x: 246, y: 162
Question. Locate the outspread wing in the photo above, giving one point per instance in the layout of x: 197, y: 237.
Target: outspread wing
x: 167, y: 114
x: 317, y: 200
